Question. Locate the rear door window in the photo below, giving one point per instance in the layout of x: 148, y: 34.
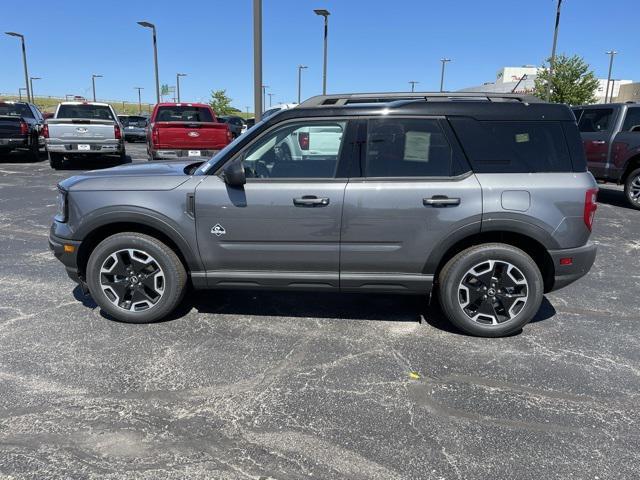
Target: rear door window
x: 183, y: 113
x: 596, y: 120
x: 632, y: 120
x: 415, y: 147
x: 92, y: 112
x: 513, y: 146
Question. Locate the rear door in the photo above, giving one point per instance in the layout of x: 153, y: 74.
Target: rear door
x: 282, y: 228
x: 415, y: 195
x: 596, y: 125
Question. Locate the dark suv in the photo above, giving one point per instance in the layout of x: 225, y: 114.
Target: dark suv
x: 484, y: 199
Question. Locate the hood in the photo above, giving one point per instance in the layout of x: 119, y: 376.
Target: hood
x: 137, y: 176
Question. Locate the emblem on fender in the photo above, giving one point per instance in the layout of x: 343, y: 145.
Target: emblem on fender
x: 218, y: 230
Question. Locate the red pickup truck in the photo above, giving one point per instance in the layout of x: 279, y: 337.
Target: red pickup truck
x: 179, y: 130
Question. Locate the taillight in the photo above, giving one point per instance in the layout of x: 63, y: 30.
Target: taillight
x: 303, y: 140
x: 590, y: 207
x: 229, y: 135
x: 155, y: 137
x: 116, y: 132
x: 45, y: 131
x: 24, y: 128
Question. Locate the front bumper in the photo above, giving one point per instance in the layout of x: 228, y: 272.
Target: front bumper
x: 179, y: 153
x: 582, y: 259
x: 68, y: 259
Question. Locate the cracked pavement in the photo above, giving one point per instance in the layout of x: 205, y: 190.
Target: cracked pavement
x: 247, y: 385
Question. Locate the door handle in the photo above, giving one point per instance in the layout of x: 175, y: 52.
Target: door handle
x: 311, y: 201
x: 440, y: 201
x: 598, y: 142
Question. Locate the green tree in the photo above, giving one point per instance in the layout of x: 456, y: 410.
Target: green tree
x: 572, y: 81
x: 221, y: 103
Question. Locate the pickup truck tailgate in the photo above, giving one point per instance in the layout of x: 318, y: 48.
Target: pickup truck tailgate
x: 195, y: 135
x: 10, y: 126
x: 75, y: 130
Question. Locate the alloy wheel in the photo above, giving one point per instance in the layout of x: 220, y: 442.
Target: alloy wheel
x: 634, y: 189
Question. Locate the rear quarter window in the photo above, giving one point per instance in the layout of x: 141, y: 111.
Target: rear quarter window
x: 513, y: 146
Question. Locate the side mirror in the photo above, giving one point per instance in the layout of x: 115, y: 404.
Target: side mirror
x: 233, y: 174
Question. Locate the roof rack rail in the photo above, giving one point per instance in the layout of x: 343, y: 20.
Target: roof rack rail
x: 351, y: 98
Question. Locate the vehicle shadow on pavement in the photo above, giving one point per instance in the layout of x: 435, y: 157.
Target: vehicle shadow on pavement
x: 94, y: 164
x: 615, y: 198
x: 19, y: 157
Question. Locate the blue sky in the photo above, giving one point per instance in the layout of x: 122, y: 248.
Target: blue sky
x: 374, y: 45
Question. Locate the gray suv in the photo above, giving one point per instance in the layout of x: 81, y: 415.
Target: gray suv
x: 483, y: 200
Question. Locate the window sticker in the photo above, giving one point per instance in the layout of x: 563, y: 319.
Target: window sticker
x: 416, y: 146
x: 522, y: 137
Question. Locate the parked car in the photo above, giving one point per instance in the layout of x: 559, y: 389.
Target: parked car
x: 236, y: 124
x: 482, y: 198
x: 20, y: 126
x: 82, y: 130
x: 134, y: 127
x: 185, y: 130
x: 611, y: 139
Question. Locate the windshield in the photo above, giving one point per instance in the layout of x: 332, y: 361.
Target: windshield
x: 183, y: 113
x: 97, y: 112
x: 15, y: 110
x: 209, y: 165
x: 133, y: 121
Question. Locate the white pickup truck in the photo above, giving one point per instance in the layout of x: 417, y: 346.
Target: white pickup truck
x: 83, y: 129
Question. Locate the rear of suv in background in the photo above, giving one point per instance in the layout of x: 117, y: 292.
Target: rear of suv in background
x: 179, y: 130
x: 483, y: 199
x: 611, y: 138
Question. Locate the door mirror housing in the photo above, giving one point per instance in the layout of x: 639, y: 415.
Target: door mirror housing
x: 233, y: 174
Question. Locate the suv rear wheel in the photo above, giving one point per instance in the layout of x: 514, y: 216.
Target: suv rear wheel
x: 491, y: 290
x: 135, y: 278
x: 632, y: 188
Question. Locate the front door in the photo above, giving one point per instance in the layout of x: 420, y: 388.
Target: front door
x: 414, y: 196
x: 596, y: 126
x: 282, y: 228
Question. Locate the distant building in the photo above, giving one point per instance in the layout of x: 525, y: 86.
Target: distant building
x: 629, y: 92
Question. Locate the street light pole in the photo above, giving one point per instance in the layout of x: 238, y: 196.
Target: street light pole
x: 271, y: 95
x: 258, y: 100
x: 413, y: 85
x: 31, y: 79
x: 611, y: 53
x: 20, y: 93
x: 264, y: 97
x: 139, y: 99
x: 324, y: 13
x: 93, y: 83
x: 300, y: 68
x: 444, y: 62
x: 613, y: 85
x: 178, y: 75
x: 155, y: 55
x: 552, y: 60
x: 24, y: 61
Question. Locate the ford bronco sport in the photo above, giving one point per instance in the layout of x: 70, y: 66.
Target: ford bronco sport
x: 482, y: 198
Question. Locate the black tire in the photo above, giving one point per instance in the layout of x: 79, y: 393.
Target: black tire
x: 510, y: 311
x: 34, y: 150
x: 174, y: 278
x: 632, y: 189
x: 56, y: 160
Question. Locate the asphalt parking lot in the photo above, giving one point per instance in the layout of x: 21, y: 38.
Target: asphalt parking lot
x: 286, y: 386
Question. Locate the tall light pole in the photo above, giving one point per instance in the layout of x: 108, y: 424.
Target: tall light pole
x: 31, y: 79
x: 300, y: 68
x: 24, y: 61
x: 155, y: 55
x: 413, y: 85
x: 444, y: 62
x: 20, y: 93
x: 271, y: 95
x: 264, y: 97
x: 613, y: 85
x: 93, y: 83
x: 552, y: 60
x: 258, y: 100
x: 178, y: 75
x: 324, y: 13
x: 611, y: 53
x: 139, y: 99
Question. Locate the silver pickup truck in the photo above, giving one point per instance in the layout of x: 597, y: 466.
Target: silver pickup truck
x: 83, y: 129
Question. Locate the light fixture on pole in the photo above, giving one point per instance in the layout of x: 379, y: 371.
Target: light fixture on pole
x: 31, y: 79
x: 93, y: 83
x: 300, y: 68
x: 139, y: 99
x: 178, y: 75
x: 444, y: 62
x: 258, y: 100
x: 611, y: 53
x: 155, y: 55
x: 24, y: 62
x: 413, y: 85
x: 552, y: 60
x: 324, y: 13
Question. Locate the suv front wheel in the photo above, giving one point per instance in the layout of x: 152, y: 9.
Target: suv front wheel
x: 491, y: 290
x: 135, y: 278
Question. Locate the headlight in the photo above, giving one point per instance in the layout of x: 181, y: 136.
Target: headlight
x: 61, y: 206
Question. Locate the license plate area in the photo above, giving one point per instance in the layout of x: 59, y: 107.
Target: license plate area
x: 84, y: 147
x: 194, y: 153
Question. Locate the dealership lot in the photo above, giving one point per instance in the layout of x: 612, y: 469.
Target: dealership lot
x: 287, y: 385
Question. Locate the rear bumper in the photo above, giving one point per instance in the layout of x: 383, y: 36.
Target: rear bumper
x: 582, y: 261
x: 182, y: 153
x: 69, y: 260
x: 95, y: 148
x: 11, y: 143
